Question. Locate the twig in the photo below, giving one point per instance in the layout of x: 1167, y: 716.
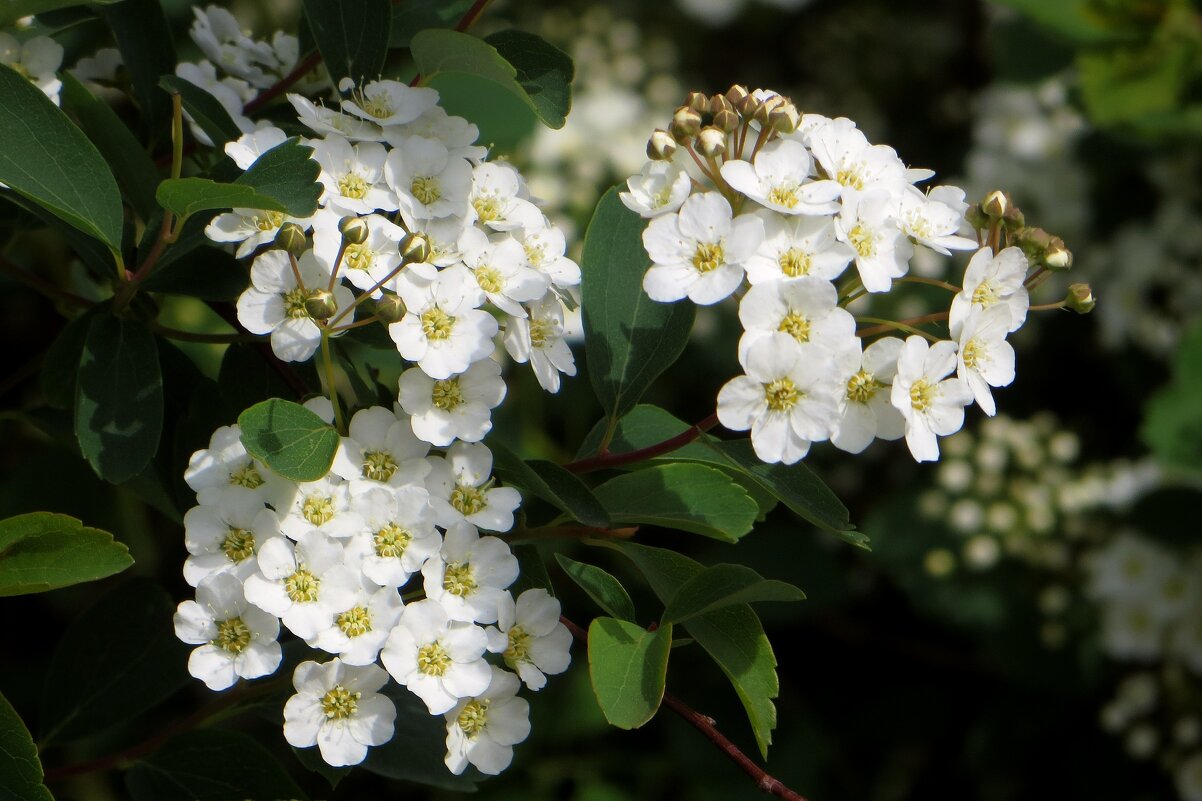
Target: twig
x: 602, y: 461
x: 303, y: 68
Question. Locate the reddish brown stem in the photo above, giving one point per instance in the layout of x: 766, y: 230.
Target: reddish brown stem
x: 913, y: 321
x: 307, y: 65
x: 706, y: 725
x: 605, y: 460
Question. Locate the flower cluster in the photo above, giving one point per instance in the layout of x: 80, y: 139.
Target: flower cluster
x: 773, y: 207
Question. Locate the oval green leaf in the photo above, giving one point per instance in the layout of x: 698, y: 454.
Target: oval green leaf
x: 552, y: 483
x: 603, y: 588
x: 544, y: 72
x: 20, y: 769
x: 43, y: 551
x: 724, y: 585
x: 628, y: 666
x: 689, y: 497
x: 288, y: 438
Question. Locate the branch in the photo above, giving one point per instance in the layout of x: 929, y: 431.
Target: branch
x: 604, y: 460
x: 707, y: 726
x: 303, y: 68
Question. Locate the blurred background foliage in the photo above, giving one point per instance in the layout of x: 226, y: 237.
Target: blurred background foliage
x: 982, y: 649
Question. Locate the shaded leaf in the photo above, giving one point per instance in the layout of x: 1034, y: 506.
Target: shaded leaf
x: 724, y: 585
x: 20, y: 769
x: 61, y: 365
x: 43, y: 551
x: 690, y: 497
x: 415, y: 752
x: 13, y: 10
x: 544, y: 72
x: 603, y: 588
x: 412, y: 16
x: 628, y: 666
x: 205, y: 109
x: 352, y: 36
x: 288, y: 438
x: 552, y: 483
x: 288, y: 174
x: 210, y: 765
x: 144, y: 38
x: 208, y: 273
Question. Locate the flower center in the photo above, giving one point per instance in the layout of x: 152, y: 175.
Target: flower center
x: 660, y: 199
x: 425, y: 189
x: 359, y: 257
x: 247, y: 476
x: 985, y: 294
x: 708, y: 257
x: 391, y: 541
x: 459, y: 580
x: 783, y: 196
x: 232, y: 635
x: 467, y: 499
x: 340, y: 703
x: 268, y: 220
x: 781, y: 395
x: 447, y: 394
x: 488, y: 208
x: 238, y: 545
x: 489, y: 279
x: 796, y: 326
x: 794, y: 262
x: 863, y: 241
x: 974, y: 354
x: 355, y: 621
x: 862, y: 386
x: 318, y: 509
x: 851, y: 176
x: 541, y: 331
x: 922, y: 395
x: 302, y: 586
x: 353, y: 185
x: 535, y: 253
x: 378, y: 105
x: 519, y: 646
x: 473, y: 718
x: 294, y: 303
x: 437, y: 324
x: 433, y: 659
x: 379, y: 465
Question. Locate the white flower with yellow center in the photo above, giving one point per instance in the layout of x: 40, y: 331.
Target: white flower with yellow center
x: 327, y: 121
x: 236, y: 640
x: 502, y: 274
x: 357, y: 631
x: 530, y: 637
x: 442, y: 329
x: 250, y: 228
x: 932, y: 403
x: 788, y: 398
x: 366, y: 263
x: 991, y: 281
x: 226, y: 538
x: 498, y: 199
x: 399, y: 537
x: 428, y: 182
x: 224, y: 472
x: 338, y: 708
x: 470, y: 577
x: 934, y: 219
x: 456, y: 133
x: 387, y: 102
x: 985, y: 359
x: 807, y: 309
x: 482, y: 731
x: 275, y: 303
x: 660, y: 187
x: 382, y: 450
x: 699, y: 253
x: 325, y: 505
x: 796, y: 247
x: 846, y: 157
x: 435, y: 658
x: 303, y: 583
x: 538, y: 338
x: 37, y: 60
x: 882, y: 251
x: 865, y: 411
x: 458, y: 407
x: 352, y: 176
x: 461, y: 489
x: 779, y: 178
x: 544, y: 246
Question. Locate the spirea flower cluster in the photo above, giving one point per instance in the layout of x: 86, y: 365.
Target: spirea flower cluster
x: 382, y: 564
x: 775, y: 208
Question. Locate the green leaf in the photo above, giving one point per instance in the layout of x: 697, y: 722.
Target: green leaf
x: 205, y: 109
x: 43, y: 551
x: 415, y: 752
x: 207, y: 273
x: 628, y: 666
x: 186, y: 196
x: 210, y: 765
x: 1172, y: 425
x: 532, y: 571
x: 143, y: 35
x: 1123, y: 85
x: 689, y: 497
x: 552, y: 483
x: 603, y: 588
x: 544, y: 72
x: 732, y: 636
x: 288, y: 438
x: 60, y: 368
x: 118, y: 398
x: 13, y: 10
x: 131, y: 164
x: 412, y: 16
x: 116, y: 660
x: 629, y: 338
x: 725, y: 585
x: 288, y: 174
x: 20, y: 769
x: 351, y: 35
x: 45, y: 158
x: 1080, y: 21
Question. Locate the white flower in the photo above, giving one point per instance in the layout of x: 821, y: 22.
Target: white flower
x: 224, y: 471
x: 933, y: 404
x: 217, y: 33
x: 365, y: 264
x: 442, y: 330
x: 778, y: 180
x: 226, y: 538
x: 795, y: 247
x: 452, y: 408
x: 539, y: 339
x: 275, y: 304
x: 303, y: 583
x: 470, y: 578
x: 882, y: 251
x: 381, y: 450
x: 846, y: 156
x: 236, y: 640
x: 388, y: 102
x: 436, y: 659
x: 498, y: 197
x: 324, y: 505
x: 456, y: 133
x: 502, y: 272
x: 530, y: 638
x: 428, y: 182
x: 990, y: 280
x: 805, y: 308
x: 246, y: 149
x: 357, y: 631
x: 461, y: 489
x: 352, y: 176
x: 38, y: 59
x: 865, y: 411
x: 251, y: 228
x: 101, y: 67
x: 661, y: 187
x: 399, y: 537
x: 339, y: 709
x: 544, y: 246
x: 933, y: 219
x: 787, y: 399
x: 482, y: 731
x: 327, y: 121
x: 231, y: 93
x: 985, y: 359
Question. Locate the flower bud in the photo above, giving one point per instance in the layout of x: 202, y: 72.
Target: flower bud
x: 784, y: 118
x: 1080, y: 299
x: 354, y: 230
x: 415, y: 248
x: 976, y: 217
x: 726, y: 120
x: 697, y: 101
x: 291, y: 239
x: 740, y: 98
x: 995, y: 204
x: 390, y: 308
x: 685, y: 124
x: 1034, y: 243
x: 1013, y: 219
x: 1057, y: 257
x: 321, y: 305
x: 719, y: 103
x: 661, y: 145
x: 764, y: 110
x: 711, y: 142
